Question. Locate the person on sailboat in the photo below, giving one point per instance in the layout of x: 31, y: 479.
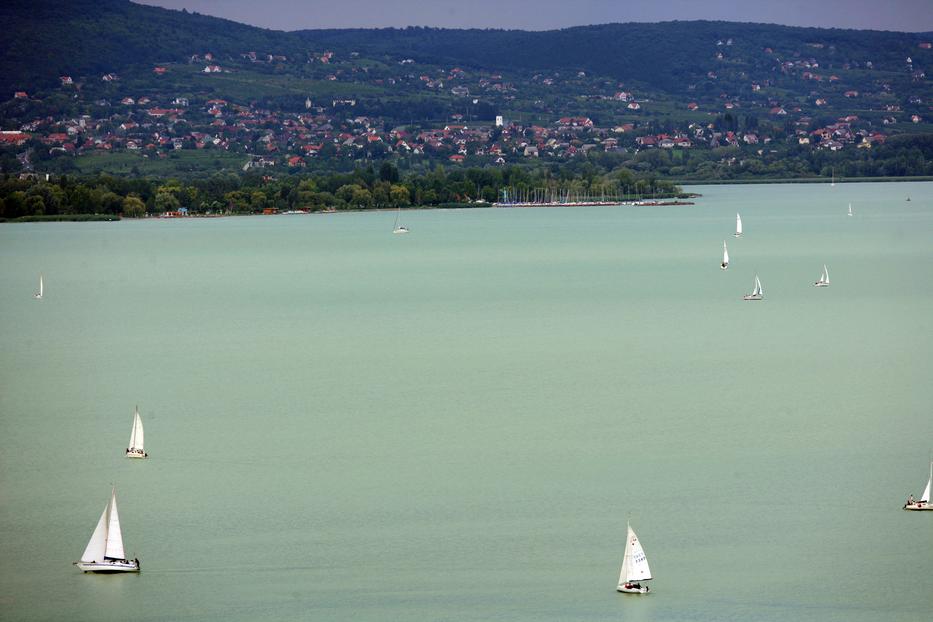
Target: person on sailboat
x: 910, y: 499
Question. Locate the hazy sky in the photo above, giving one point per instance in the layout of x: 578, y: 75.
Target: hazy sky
x: 904, y: 15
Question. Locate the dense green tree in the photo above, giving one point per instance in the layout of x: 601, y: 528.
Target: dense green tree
x: 133, y: 207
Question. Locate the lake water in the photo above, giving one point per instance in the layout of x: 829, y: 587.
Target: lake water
x: 345, y: 424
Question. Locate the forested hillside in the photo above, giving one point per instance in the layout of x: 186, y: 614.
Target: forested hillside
x: 43, y: 39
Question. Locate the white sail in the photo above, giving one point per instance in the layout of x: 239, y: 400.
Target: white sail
x: 97, y: 545
x: 41, y: 286
x: 398, y: 227
x: 136, y: 436
x: 825, y: 277
x: 114, y: 548
x: 925, y: 497
x: 850, y: 209
x: 725, y: 255
x: 757, y: 291
x: 634, y: 562
x: 738, y: 225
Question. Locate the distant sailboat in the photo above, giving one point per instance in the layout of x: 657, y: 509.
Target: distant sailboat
x: 738, y: 226
x: 136, y: 450
x: 824, y: 278
x: 757, y: 293
x: 850, y: 209
x: 104, y: 552
x: 725, y: 256
x: 923, y: 503
x: 832, y: 183
x: 399, y: 228
x: 38, y: 295
x: 634, y: 567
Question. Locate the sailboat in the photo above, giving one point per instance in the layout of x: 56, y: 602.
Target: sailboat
x: 738, y: 226
x: 634, y: 567
x: 850, y: 209
x: 832, y: 183
x: 923, y: 503
x: 38, y: 295
x: 399, y: 228
x: 757, y: 293
x: 104, y: 552
x: 824, y: 278
x: 725, y: 256
x: 135, y: 450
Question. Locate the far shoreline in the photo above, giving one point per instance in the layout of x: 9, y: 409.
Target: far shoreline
x: 647, y: 203
x: 798, y: 180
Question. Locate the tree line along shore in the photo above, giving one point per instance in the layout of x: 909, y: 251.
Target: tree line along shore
x: 105, y: 197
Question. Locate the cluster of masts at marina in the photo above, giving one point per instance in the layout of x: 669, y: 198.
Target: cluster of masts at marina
x: 757, y: 292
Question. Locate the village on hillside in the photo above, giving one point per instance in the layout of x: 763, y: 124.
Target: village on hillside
x: 477, y: 118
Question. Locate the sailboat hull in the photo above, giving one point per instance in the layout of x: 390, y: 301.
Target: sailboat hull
x: 753, y: 297
x: 633, y: 590
x: 110, y: 566
x: 919, y: 506
x: 819, y: 284
x: 400, y: 230
x: 136, y: 453
x: 724, y: 266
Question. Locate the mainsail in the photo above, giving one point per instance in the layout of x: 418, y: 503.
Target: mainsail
x: 925, y: 497
x: 114, y: 534
x: 137, y: 436
x: 634, y: 563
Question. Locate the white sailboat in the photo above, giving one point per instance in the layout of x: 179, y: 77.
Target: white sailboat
x: 757, y: 293
x: 104, y: 552
x: 38, y: 295
x: 923, y: 503
x: 634, y: 567
x: 850, y: 209
x: 399, y: 228
x: 824, y: 278
x: 738, y: 226
x: 725, y: 256
x: 832, y: 183
x: 136, y: 447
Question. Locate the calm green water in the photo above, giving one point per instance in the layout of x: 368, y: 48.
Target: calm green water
x: 346, y: 424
